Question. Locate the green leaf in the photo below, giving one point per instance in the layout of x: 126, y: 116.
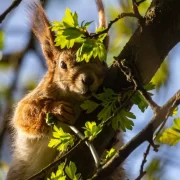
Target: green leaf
x: 150, y: 86
x: 102, y: 36
x: 175, y: 112
x: 108, y: 95
x: 63, y: 42
x: 89, y: 106
x: 70, y: 19
x: 122, y: 120
x: 109, y: 99
x: 171, y: 136
x: 100, y: 50
x: 1, y: 39
x: 72, y: 33
x: 85, y: 52
x: 110, y: 153
x: 176, y: 125
x: 68, y: 33
x: 139, y: 100
x: 59, y: 175
x: 62, y: 140
x: 86, y: 25
x: 89, y: 48
x: 100, y: 29
x: 71, y: 171
x: 105, y: 113
x: 153, y: 169
x: 57, y: 26
x: 92, y: 130
x: 161, y: 76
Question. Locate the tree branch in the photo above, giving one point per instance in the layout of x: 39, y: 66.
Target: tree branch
x: 120, y: 16
x: 57, y: 162
x: 142, y: 172
x: 147, y: 47
x: 14, y: 4
x: 144, y: 135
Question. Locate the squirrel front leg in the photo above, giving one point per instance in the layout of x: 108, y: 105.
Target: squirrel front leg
x: 30, y: 115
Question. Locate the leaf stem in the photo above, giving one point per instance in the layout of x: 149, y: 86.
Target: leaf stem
x: 120, y: 16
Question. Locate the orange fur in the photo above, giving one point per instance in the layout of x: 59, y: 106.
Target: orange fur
x: 60, y: 93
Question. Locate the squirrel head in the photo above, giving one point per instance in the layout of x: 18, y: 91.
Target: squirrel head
x: 78, y: 78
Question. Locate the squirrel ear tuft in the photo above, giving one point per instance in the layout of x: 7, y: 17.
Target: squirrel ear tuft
x: 41, y: 28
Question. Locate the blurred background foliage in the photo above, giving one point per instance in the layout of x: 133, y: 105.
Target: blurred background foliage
x: 22, y: 66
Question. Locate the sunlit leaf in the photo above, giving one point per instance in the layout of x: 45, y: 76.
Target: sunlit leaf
x: 61, y: 140
x: 175, y: 112
x: 171, y: 136
x: 110, y: 153
x: 161, y: 76
x: 1, y: 39
x: 139, y: 100
x: 92, y: 130
x: 71, y: 170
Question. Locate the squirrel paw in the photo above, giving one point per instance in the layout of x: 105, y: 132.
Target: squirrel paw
x: 63, y: 111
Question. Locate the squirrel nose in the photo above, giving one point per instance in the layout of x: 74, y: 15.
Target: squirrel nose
x: 88, y: 80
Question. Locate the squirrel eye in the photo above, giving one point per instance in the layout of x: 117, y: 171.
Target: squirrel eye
x: 63, y: 65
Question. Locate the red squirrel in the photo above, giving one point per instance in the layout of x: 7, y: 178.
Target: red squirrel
x: 66, y: 84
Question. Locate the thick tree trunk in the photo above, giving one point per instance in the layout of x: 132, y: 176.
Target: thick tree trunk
x: 147, y: 47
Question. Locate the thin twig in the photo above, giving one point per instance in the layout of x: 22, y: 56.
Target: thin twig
x: 126, y: 150
x: 120, y: 16
x: 131, y: 73
x: 55, y: 163
x: 142, y: 172
x: 14, y: 4
x: 88, y: 143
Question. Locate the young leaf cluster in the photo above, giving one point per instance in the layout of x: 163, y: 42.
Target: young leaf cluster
x: 62, y: 140
x: 171, y: 136
x: 66, y: 172
x: 59, y: 175
x: 69, y: 33
x: 92, y: 130
x: 109, y: 155
x: 139, y: 100
x: 108, y: 101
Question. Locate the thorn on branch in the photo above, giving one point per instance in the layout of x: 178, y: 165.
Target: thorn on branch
x: 141, y: 171
x: 155, y: 146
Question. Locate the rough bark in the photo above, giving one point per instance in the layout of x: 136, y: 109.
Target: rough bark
x: 148, y: 47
